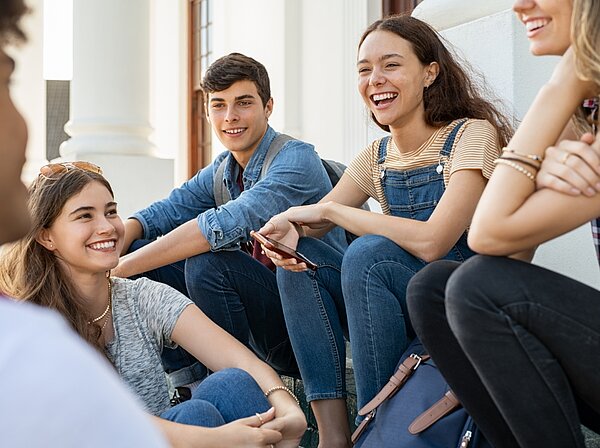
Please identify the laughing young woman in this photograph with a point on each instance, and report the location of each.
(428, 177)
(520, 344)
(64, 262)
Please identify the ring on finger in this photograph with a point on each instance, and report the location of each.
(565, 157)
(262, 422)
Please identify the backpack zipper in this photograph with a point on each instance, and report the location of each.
(466, 439)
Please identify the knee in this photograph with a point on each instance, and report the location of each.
(474, 285)
(426, 293)
(204, 263)
(225, 382)
(195, 412)
(357, 256)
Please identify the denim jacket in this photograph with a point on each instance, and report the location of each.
(295, 177)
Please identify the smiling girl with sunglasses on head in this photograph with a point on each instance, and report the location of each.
(64, 263)
(517, 343)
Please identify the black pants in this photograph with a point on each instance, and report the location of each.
(519, 345)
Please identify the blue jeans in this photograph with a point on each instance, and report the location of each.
(375, 274)
(361, 295)
(240, 295)
(225, 396)
(316, 320)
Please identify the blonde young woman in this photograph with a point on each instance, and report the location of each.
(520, 344)
(64, 263)
(428, 176)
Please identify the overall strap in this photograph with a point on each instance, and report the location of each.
(449, 143)
(382, 153)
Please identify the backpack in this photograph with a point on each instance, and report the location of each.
(333, 168)
(416, 409)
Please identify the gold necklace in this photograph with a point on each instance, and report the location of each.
(103, 315)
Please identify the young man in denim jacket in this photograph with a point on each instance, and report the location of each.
(205, 250)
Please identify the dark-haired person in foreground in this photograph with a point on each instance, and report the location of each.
(56, 391)
(205, 250)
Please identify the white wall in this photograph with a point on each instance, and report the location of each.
(168, 81)
(255, 28)
(309, 50)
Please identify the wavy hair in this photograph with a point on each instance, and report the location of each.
(453, 94)
(585, 38)
(30, 272)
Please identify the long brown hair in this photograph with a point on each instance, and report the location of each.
(28, 271)
(453, 94)
(585, 35)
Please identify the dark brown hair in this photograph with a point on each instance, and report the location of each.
(11, 12)
(453, 94)
(28, 271)
(233, 68)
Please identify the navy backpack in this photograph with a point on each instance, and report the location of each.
(417, 409)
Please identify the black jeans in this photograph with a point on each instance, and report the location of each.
(518, 344)
(240, 295)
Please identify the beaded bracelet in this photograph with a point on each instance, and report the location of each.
(273, 389)
(527, 156)
(524, 162)
(517, 167)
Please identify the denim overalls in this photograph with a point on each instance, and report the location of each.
(414, 194)
(360, 294)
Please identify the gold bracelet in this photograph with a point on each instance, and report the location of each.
(517, 167)
(535, 157)
(273, 389)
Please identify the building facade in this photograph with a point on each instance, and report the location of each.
(136, 111)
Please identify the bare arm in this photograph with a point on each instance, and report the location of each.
(428, 240)
(511, 215)
(192, 331)
(284, 226)
(183, 242)
(133, 231)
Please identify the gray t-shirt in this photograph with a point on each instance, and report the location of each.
(144, 315)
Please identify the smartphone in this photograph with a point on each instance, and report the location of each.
(282, 249)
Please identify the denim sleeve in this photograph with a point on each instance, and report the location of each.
(295, 177)
(182, 205)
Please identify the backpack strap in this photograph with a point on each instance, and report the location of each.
(220, 192)
(442, 407)
(404, 371)
(396, 381)
(274, 148)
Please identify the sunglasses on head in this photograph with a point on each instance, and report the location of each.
(54, 169)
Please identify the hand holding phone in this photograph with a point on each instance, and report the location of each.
(282, 249)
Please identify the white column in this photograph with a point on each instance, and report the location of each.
(110, 97)
(356, 18)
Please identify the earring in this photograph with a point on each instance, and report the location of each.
(51, 246)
